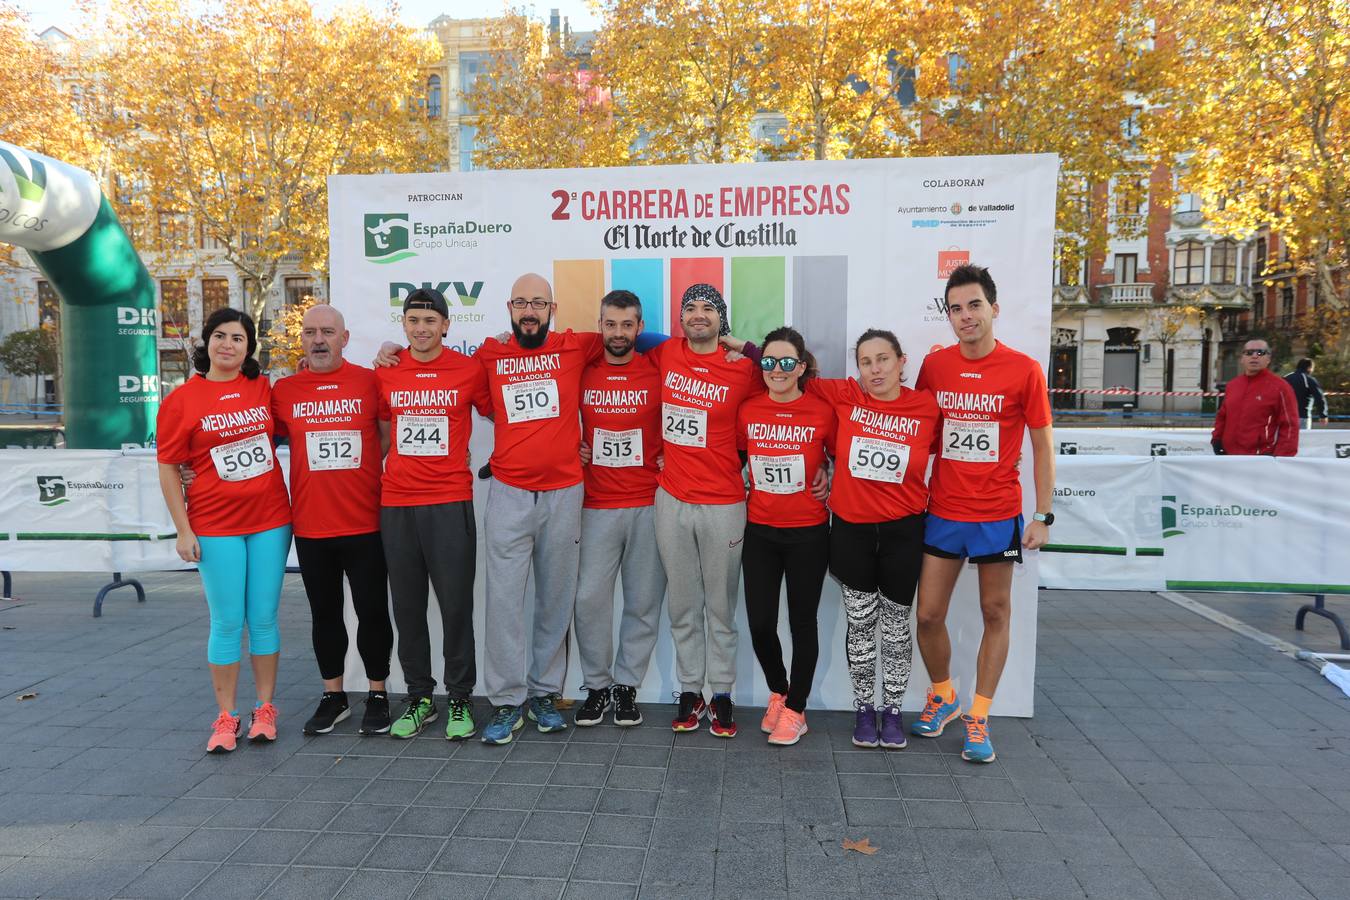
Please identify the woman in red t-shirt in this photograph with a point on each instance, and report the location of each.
(236, 521)
(785, 434)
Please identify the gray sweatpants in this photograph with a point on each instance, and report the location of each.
(521, 528)
(701, 549)
(614, 541)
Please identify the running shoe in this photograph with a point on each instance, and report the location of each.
(224, 734)
(376, 719)
(419, 713)
(506, 721)
(545, 715)
(592, 712)
(892, 729)
(692, 708)
(332, 709)
(937, 713)
(721, 723)
(459, 720)
(865, 726)
(262, 727)
(626, 712)
(771, 713)
(789, 728)
(978, 748)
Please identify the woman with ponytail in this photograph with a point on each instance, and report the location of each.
(235, 521)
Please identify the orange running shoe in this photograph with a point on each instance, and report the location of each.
(790, 728)
(770, 720)
(224, 734)
(264, 724)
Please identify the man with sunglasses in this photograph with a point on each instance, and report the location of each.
(1258, 415)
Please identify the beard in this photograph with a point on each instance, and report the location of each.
(619, 346)
(531, 341)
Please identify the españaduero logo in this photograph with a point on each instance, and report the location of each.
(54, 490)
(387, 237)
(1175, 516)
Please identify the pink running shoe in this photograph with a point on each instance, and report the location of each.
(224, 734)
(790, 728)
(264, 724)
(771, 714)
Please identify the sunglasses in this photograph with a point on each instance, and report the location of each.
(1255, 352)
(786, 363)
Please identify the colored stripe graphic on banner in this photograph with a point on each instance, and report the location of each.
(820, 310)
(646, 278)
(578, 285)
(758, 288)
(687, 271)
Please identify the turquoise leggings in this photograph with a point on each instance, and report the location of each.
(242, 578)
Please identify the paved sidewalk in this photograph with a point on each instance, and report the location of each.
(1168, 757)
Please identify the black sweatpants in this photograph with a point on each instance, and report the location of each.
(801, 555)
(436, 543)
(878, 556)
(323, 562)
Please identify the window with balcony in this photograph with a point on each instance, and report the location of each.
(434, 97)
(1286, 306)
(215, 295)
(299, 289)
(1223, 263)
(1127, 268)
(1188, 267)
(173, 308)
(1258, 307)
(1258, 260)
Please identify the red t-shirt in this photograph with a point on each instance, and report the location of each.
(430, 406)
(333, 426)
(535, 399)
(621, 420)
(223, 430)
(985, 404)
(881, 450)
(700, 394)
(786, 444)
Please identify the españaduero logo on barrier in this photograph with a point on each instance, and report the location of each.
(1170, 517)
(55, 490)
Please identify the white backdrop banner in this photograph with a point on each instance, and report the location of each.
(1319, 443)
(1233, 523)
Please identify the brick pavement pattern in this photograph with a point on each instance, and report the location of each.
(1168, 758)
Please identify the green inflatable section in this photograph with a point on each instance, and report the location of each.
(109, 324)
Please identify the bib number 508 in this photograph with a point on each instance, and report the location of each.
(244, 459)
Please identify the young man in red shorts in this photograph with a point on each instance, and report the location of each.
(987, 394)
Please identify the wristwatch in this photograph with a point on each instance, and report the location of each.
(1047, 518)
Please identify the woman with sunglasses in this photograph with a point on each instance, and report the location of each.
(785, 433)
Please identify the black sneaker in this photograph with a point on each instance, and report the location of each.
(626, 712)
(332, 709)
(723, 724)
(592, 712)
(376, 720)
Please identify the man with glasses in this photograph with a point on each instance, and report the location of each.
(1258, 415)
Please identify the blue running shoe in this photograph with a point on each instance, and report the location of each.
(978, 748)
(506, 721)
(544, 714)
(935, 716)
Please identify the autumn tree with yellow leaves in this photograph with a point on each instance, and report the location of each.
(230, 115)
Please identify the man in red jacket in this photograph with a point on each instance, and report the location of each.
(1258, 415)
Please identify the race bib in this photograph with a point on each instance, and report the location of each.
(975, 442)
(684, 425)
(423, 436)
(526, 401)
(242, 460)
(617, 449)
(779, 474)
(878, 460)
(333, 450)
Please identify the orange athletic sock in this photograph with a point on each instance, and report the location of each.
(945, 690)
(979, 707)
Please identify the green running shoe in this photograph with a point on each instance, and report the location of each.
(416, 715)
(459, 720)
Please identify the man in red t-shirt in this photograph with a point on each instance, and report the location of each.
(330, 412)
(987, 394)
(621, 440)
(700, 505)
(427, 399)
(533, 514)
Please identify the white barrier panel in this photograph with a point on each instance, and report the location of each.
(1233, 523)
(1318, 443)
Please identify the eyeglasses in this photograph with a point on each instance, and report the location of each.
(1255, 352)
(521, 303)
(786, 363)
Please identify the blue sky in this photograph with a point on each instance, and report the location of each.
(65, 14)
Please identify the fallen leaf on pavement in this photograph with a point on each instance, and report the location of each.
(862, 846)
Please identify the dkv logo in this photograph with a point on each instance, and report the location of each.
(387, 237)
(138, 388)
(468, 292)
(136, 320)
